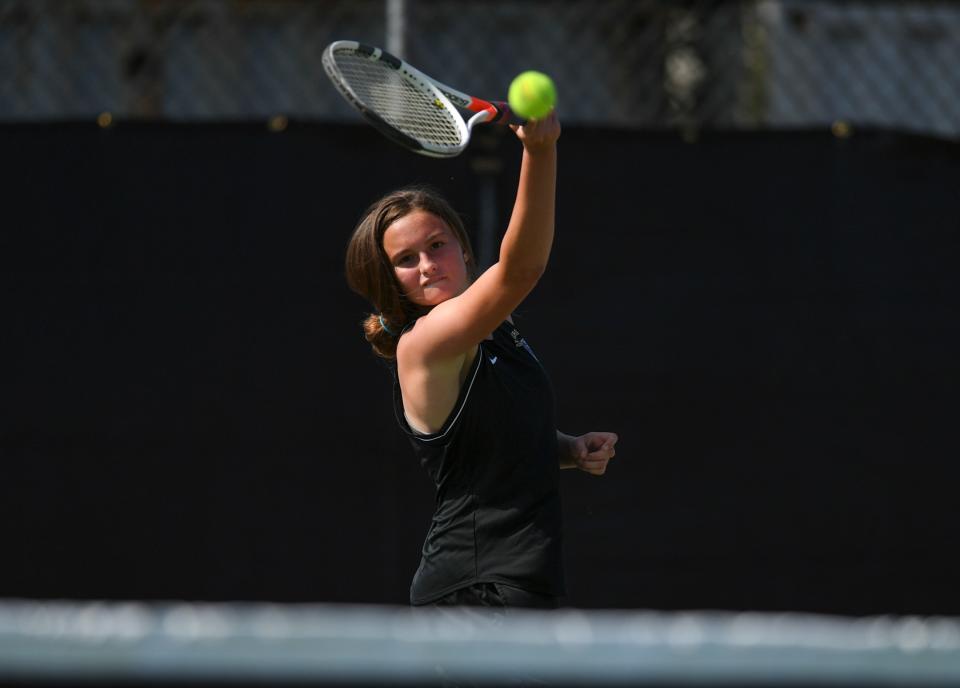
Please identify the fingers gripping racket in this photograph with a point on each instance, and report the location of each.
(403, 103)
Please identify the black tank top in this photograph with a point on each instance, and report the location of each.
(496, 469)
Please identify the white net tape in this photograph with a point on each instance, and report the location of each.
(389, 645)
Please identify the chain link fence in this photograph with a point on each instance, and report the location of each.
(654, 64)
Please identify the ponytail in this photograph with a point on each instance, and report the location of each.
(382, 335)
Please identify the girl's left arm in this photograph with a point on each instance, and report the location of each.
(589, 452)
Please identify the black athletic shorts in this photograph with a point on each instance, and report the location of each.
(496, 595)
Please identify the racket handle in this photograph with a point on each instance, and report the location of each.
(504, 114)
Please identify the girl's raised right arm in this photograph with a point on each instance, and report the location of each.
(460, 323)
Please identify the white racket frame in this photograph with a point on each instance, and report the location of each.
(445, 96)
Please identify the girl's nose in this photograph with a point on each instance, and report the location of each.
(427, 265)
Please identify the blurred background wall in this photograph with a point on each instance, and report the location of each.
(753, 283)
(639, 63)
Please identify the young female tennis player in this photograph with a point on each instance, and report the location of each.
(469, 391)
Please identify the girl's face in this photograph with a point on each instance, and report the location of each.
(426, 258)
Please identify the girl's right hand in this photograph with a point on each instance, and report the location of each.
(538, 134)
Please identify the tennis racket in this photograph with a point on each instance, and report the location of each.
(404, 104)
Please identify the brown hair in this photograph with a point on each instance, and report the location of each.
(370, 274)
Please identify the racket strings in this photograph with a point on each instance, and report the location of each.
(415, 112)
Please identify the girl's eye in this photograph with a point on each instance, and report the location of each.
(405, 260)
(436, 244)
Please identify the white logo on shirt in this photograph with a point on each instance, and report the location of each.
(493, 360)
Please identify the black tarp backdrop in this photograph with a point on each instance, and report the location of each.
(770, 321)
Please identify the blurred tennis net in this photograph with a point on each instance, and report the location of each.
(140, 643)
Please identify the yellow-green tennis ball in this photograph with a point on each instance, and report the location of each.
(532, 95)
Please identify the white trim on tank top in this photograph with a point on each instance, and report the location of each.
(426, 437)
